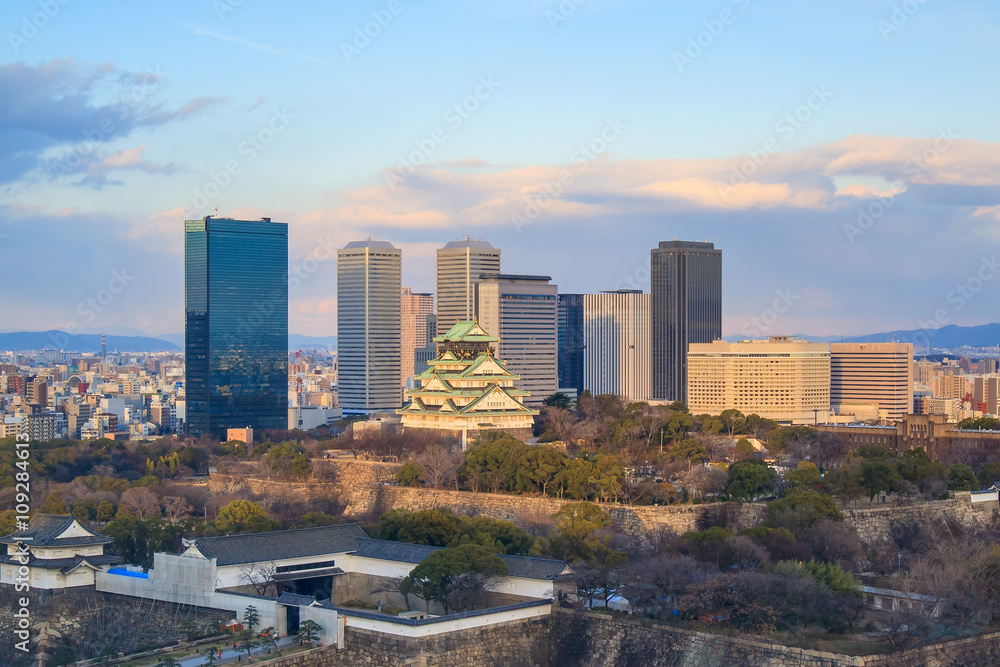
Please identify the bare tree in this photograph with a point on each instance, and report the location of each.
(439, 465)
(351, 442)
(561, 423)
(391, 585)
(905, 491)
(742, 553)
(903, 626)
(259, 576)
(632, 447)
(823, 449)
(104, 470)
(176, 507)
(324, 471)
(715, 446)
(835, 542)
(963, 575)
(468, 591)
(704, 479)
(142, 501)
(655, 585)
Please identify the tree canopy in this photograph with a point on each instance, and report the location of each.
(434, 578)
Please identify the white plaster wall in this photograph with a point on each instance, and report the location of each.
(442, 627)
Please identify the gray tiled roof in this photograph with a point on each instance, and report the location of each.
(296, 599)
(517, 566)
(535, 568)
(401, 552)
(61, 563)
(278, 545)
(44, 531)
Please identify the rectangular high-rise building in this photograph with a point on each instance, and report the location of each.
(986, 394)
(235, 324)
(522, 311)
(571, 342)
(416, 307)
(781, 378)
(424, 355)
(988, 366)
(880, 374)
(77, 414)
(617, 346)
(459, 265)
(686, 301)
(368, 327)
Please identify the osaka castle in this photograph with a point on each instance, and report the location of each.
(467, 389)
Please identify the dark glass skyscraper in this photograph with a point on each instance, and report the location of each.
(235, 324)
(686, 291)
(571, 341)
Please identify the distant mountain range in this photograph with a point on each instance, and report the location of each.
(300, 342)
(295, 341)
(21, 341)
(60, 340)
(948, 337)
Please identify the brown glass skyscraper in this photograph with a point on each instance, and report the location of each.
(686, 289)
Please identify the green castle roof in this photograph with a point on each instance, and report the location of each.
(466, 331)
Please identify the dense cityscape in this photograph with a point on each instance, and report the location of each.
(474, 334)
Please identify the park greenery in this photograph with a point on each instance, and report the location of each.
(602, 449)
(456, 577)
(794, 570)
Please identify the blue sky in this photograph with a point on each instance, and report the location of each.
(585, 133)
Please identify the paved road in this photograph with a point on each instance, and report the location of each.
(231, 656)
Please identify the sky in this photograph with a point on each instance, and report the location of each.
(844, 156)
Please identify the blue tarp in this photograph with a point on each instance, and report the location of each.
(128, 573)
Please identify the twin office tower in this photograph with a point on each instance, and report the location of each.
(383, 330)
(623, 342)
(236, 322)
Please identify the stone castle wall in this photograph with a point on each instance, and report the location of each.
(89, 620)
(365, 490)
(597, 640)
(513, 644)
(574, 639)
(935, 518)
(594, 640)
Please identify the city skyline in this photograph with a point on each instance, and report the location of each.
(822, 168)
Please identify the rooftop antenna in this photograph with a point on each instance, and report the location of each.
(216, 211)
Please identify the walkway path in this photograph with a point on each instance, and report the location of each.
(231, 656)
